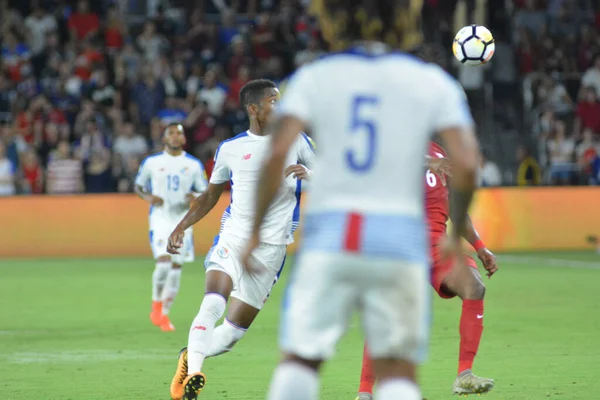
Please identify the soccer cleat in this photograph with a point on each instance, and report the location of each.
(364, 396)
(156, 315)
(192, 386)
(180, 375)
(467, 383)
(166, 325)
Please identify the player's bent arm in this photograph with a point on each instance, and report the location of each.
(143, 193)
(285, 131)
(462, 148)
(202, 205)
(472, 236)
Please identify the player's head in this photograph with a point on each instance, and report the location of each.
(394, 22)
(258, 97)
(174, 136)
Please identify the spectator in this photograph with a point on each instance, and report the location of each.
(151, 43)
(93, 141)
(530, 20)
(98, 172)
(129, 143)
(528, 171)
(32, 173)
(115, 30)
(7, 173)
(13, 143)
(237, 57)
(15, 56)
(39, 26)
(588, 112)
(489, 173)
(236, 85)
(65, 173)
(587, 153)
(555, 96)
(148, 97)
(194, 82)
(50, 143)
(592, 75)
(102, 92)
(125, 174)
(228, 29)
(7, 96)
(10, 18)
(175, 84)
(562, 151)
(212, 94)
(262, 38)
(83, 23)
(88, 59)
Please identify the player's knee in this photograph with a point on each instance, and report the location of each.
(476, 290)
(165, 258)
(213, 305)
(312, 364)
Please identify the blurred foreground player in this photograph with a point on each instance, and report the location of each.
(464, 282)
(364, 244)
(239, 160)
(169, 181)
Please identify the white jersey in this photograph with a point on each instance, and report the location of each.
(171, 178)
(239, 160)
(372, 115)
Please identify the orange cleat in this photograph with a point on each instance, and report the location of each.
(166, 325)
(192, 386)
(156, 316)
(180, 375)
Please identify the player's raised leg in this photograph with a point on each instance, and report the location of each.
(466, 283)
(239, 318)
(169, 293)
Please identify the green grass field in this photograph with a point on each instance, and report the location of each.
(79, 329)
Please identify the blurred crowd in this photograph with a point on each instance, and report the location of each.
(85, 93)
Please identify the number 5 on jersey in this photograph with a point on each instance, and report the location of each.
(360, 158)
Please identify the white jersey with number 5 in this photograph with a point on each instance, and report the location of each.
(365, 242)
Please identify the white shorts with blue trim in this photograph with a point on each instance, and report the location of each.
(159, 237)
(326, 289)
(251, 287)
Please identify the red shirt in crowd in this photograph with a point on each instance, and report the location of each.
(589, 114)
(83, 24)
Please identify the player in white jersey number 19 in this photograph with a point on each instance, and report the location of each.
(238, 160)
(169, 181)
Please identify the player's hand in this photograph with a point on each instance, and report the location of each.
(489, 261)
(175, 241)
(155, 200)
(298, 171)
(190, 197)
(441, 167)
(253, 243)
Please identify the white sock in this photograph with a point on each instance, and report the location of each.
(159, 276)
(293, 381)
(170, 289)
(201, 333)
(225, 337)
(394, 389)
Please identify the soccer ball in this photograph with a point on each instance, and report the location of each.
(473, 45)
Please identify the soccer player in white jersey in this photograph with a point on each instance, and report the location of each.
(169, 181)
(364, 246)
(239, 160)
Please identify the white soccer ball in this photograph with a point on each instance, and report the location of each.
(473, 45)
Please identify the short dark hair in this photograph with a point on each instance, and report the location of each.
(253, 91)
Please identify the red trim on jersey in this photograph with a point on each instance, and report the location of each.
(352, 239)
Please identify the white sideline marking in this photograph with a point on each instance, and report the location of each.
(552, 262)
(84, 356)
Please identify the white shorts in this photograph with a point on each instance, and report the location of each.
(325, 289)
(159, 238)
(253, 288)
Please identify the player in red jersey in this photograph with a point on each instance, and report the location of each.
(450, 281)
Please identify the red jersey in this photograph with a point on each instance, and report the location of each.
(436, 196)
